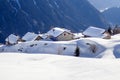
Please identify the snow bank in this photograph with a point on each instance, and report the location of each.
(89, 47)
(48, 47)
(59, 47)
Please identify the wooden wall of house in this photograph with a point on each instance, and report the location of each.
(65, 36)
(108, 35)
(38, 38)
(9, 44)
(20, 40)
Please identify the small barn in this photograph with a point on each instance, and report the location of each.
(60, 34)
(12, 39)
(46, 37)
(38, 37)
(30, 36)
(96, 32)
(93, 32)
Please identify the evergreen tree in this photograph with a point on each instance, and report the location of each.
(110, 30)
(77, 51)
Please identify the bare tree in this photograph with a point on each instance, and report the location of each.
(93, 47)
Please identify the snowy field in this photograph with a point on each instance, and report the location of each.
(17, 66)
(46, 60)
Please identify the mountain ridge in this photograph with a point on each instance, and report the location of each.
(112, 15)
(21, 16)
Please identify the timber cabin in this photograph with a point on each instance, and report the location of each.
(96, 32)
(30, 36)
(12, 39)
(60, 34)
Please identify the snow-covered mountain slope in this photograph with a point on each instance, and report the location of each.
(103, 4)
(21, 16)
(15, 66)
(112, 15)
(89, 47)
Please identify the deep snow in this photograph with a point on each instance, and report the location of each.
(39, 60)
(17, 66)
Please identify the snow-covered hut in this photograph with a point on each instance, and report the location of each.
(12, 39)
(30, 36)
(38, 37)
(93, 32)
(60, 34)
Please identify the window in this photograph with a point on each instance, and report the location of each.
(64, 48)
(64, 34)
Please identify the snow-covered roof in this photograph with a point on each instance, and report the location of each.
(37, 36)
(94, 31)
(12, 38)
(44, 36)
(78, 35)
(57, 31)
(29, 36)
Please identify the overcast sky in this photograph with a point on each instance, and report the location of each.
(102, 4)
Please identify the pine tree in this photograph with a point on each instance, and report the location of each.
(77, 51)
(110, 30)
